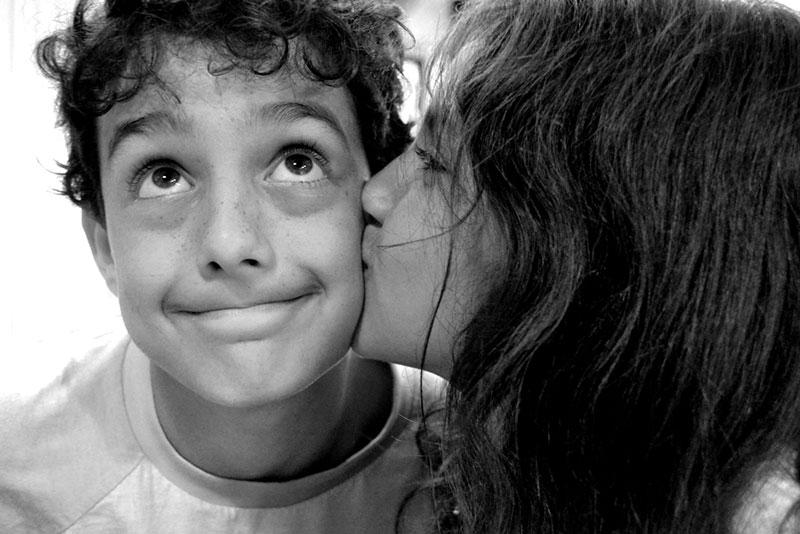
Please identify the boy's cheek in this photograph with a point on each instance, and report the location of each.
(153, 216)
(317, 199)
(145, 253)
(331, 248)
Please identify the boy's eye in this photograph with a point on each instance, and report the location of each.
(162, 180)
(298, 166)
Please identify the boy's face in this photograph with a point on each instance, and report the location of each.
(233, 227)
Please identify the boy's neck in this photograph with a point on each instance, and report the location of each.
(310, 432)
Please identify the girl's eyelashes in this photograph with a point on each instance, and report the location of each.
(301, 165)
(429, 161)
(159, 178)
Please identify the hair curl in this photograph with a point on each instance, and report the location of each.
(108, 55)
(638, 359)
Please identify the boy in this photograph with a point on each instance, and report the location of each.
(218, 149)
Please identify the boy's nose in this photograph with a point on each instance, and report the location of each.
(234, 237)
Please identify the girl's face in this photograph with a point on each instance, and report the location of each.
(425, 272)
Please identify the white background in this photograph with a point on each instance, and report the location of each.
(48, 282)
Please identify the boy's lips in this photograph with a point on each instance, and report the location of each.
(232, 306)
(242, 320)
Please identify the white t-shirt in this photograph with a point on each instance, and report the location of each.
(85, 453)
(767, 505)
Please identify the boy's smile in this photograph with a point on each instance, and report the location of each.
(232, 227)
(244, 320)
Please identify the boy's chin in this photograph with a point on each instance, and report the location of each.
(241, 377)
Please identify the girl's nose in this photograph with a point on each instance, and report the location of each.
(380, 193)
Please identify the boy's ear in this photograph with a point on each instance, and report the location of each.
(97, 236)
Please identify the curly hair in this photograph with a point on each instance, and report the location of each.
(352, 43)
(637, 361)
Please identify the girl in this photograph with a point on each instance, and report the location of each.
(595, 238)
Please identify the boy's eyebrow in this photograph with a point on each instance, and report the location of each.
(282, 112)
(287, 112)
(140, 125)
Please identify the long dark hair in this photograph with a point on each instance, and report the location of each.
(638, 360)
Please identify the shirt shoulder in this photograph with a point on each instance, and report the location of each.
(418, 392)
(64, 436)
(769, 505)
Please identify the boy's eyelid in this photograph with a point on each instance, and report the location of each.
(313, 122)
(311, 149)
(307, 149)
(326, 147)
